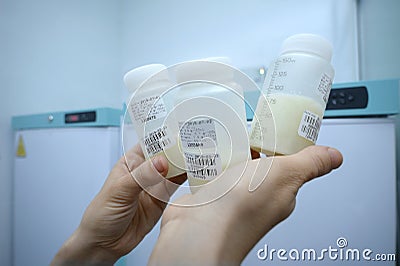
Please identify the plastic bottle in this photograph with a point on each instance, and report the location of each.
(148, 108)
(294, 96)
(211, 114)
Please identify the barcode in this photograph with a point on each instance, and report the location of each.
(155, 136)
(156, 141)
(310, 131)
(201, 160)
(205, 166)
(154, 148)
(203, 173)
(309, 126)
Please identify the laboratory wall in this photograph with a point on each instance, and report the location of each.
(379, 39)
(249, 32)
(54, 55)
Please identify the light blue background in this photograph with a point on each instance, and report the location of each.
(71, 54)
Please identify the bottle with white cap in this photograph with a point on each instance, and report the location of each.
(294, 96)
(210, 110)
(148, 108)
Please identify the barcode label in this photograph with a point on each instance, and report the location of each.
(324, 87)
(204, 166)
(198, 133)
(157, 140)
(148, 109)
(309, 126)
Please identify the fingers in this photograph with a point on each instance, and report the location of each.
(151, 172)
(150, 176)
(133, 157)
(134, 173)
(124, 190)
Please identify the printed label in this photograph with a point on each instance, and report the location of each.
(149, 109)
(204, 166)
(157, 140)
(324, 87)
(309, 126)
(198, 133)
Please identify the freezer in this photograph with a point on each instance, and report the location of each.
(61, 161)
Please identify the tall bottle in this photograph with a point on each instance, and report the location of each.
(148, 108)
(294, 96)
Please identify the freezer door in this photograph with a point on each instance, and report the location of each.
(350, 211)
(62, 171)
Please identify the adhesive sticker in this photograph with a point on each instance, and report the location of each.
(21, 152)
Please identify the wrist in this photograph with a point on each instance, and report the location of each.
(196, 237)
(78, 250)
(184, 243)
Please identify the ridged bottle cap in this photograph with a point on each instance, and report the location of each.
(309, 43)
(205, 69)
(137, 76)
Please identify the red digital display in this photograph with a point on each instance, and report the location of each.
(83, 117)
(73, 118)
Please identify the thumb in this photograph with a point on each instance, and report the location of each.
(313, 161)
(298, 168)
(289, 173)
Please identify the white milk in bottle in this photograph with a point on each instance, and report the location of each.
(294, 96)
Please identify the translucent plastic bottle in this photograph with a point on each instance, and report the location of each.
(294, 96)
(211, 114)
(148, 108)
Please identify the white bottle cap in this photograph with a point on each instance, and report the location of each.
(213, 72)
(218, 59)
(309, 43)
(137, 76)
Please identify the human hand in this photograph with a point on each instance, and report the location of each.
(223, 231)
(122, 213)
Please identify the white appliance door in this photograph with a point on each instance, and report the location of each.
(349, 216)
(61, 173)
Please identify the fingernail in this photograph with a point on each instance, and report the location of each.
(158, 164)
(336, 157)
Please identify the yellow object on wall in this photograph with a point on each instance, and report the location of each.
(21, 152)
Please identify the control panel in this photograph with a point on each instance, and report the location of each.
(80, 117)
(348, 98)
